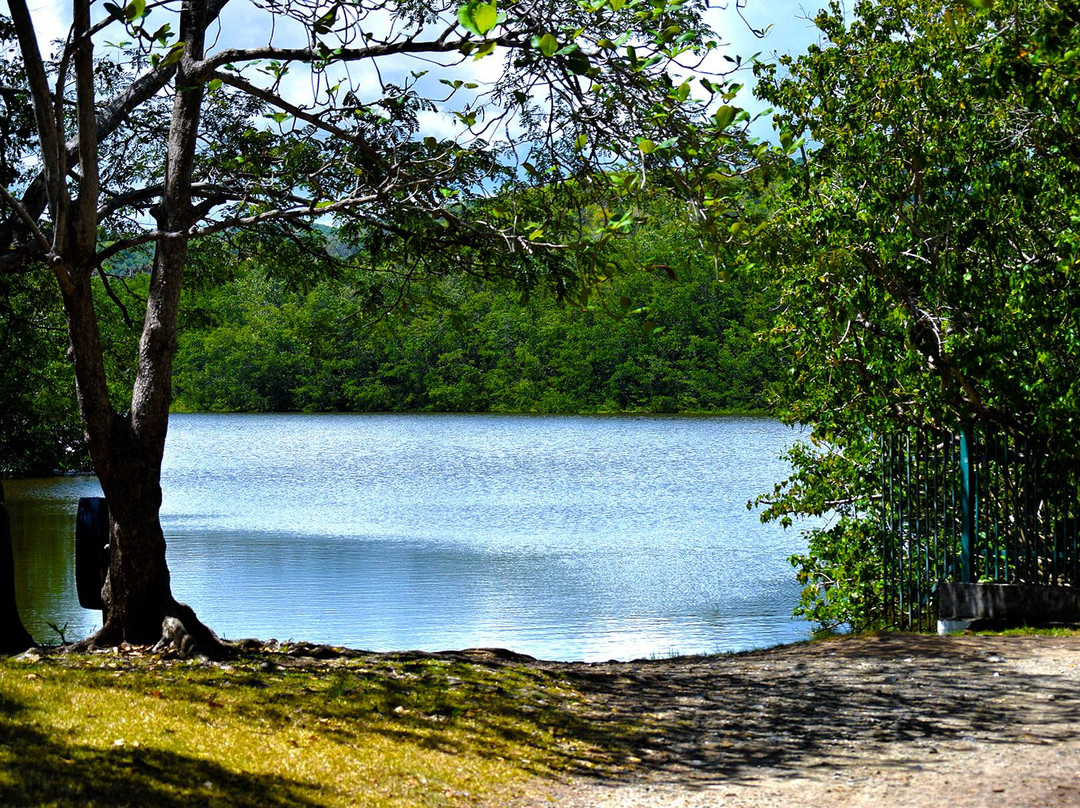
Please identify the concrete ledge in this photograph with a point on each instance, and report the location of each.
(953, 626)
(1011, 603)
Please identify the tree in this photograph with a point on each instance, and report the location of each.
(924, 253)
(39, 428)
(176, 136)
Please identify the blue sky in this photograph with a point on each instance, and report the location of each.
(789, 32)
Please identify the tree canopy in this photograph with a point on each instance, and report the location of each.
(662, 335)
(924, 248)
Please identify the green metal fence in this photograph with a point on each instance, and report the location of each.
(972, 508)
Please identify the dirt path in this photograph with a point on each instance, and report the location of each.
(896, 720)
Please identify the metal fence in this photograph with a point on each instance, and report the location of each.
(971, 508)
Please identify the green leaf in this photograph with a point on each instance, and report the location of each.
(213, 85)
(548, 45)
(478, 18)
(646, 146)
(326, 21)
(173, 56)
(464, 18)
(135, 10)
(161, 35)
(481, 52)
(579, 63)
(724, 116)
(485, 16)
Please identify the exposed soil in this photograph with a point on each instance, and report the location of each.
(893, 720)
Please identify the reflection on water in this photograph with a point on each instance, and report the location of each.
(43, 536)
(561, 537)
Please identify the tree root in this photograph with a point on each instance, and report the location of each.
(183, 636)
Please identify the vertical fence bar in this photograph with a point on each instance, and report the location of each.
(933, 475)
(1008, 552)
(886, 507)
(967, 510)
(954, 463)
(929, 567)
(994, 491)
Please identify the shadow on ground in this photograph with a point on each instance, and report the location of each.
(41, 770)
(895, 699)
(696, 721)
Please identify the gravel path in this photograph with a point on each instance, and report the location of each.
(893, 720)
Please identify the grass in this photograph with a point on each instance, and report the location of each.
(1031, 631)
(123, 729)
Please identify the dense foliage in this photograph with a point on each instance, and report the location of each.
(924, 251)
(39, 421)
(662, 337)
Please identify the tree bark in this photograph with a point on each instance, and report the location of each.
(127, 450)
(13, 635)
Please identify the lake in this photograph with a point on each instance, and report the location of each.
(563, 537)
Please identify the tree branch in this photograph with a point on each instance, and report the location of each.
(86, 114)
(48, 133)
(27, 219)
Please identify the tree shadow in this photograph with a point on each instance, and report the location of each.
(702, 720)
(40, 769)
(893, 699)
(692, 721)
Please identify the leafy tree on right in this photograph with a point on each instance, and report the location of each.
(924, 244)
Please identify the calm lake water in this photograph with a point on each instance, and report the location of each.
(562, 537)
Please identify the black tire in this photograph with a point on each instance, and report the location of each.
(91, 550)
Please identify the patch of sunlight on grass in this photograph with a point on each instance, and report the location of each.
(112, 730)
(1030, 631)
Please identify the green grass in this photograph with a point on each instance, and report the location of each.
(124, 729)
(1031, 631)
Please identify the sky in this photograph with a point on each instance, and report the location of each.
(789, 32)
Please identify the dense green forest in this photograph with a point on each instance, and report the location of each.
(669, 338)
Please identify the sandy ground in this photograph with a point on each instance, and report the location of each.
(893, 720)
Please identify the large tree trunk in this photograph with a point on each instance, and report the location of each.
(127, 452)
(127, 449)
(13, 635)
